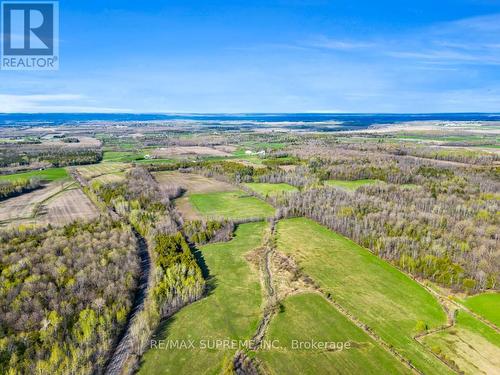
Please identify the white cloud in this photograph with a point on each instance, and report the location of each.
(473, 40)
(488, 23)
(336, 44)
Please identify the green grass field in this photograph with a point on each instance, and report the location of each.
(231, 311)
(310, 317)
(350, 185)
(270, 189)
(472, 345)
(121, 156)
(252, 159)
(487, 305)
(379, 295)
(49, 174)
(230, 205)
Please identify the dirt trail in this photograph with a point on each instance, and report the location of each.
(125, 345)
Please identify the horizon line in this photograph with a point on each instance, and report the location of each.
(248, 113)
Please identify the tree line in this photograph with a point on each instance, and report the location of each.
(10, 189)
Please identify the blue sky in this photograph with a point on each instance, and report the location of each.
(268, 56)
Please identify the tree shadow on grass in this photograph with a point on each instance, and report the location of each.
(200, 259)
(205, 272)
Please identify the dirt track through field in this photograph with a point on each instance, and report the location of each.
(244, 365)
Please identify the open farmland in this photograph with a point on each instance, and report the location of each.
(165, 152)
(49, 174)
(309, 317)
(110, 178)
(266, 189)
(155, 161)
(26, 206)
(56, 204)
(192, 183)
(376, 293)
(121, 156)
(470, 345)
(486, 305)
(230, 205)
(66, 207)
(91, 171)
(83, 142)
(230, 311)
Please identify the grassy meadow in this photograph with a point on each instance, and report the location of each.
(379, 295)
(49, 174)
(308, 317)
(230, 205)
(486, 305)
(230, 311)
(122, 156)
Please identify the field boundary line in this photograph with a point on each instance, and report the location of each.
(270, 293)
(457, 305)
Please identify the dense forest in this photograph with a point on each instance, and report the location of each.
(64, 296)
